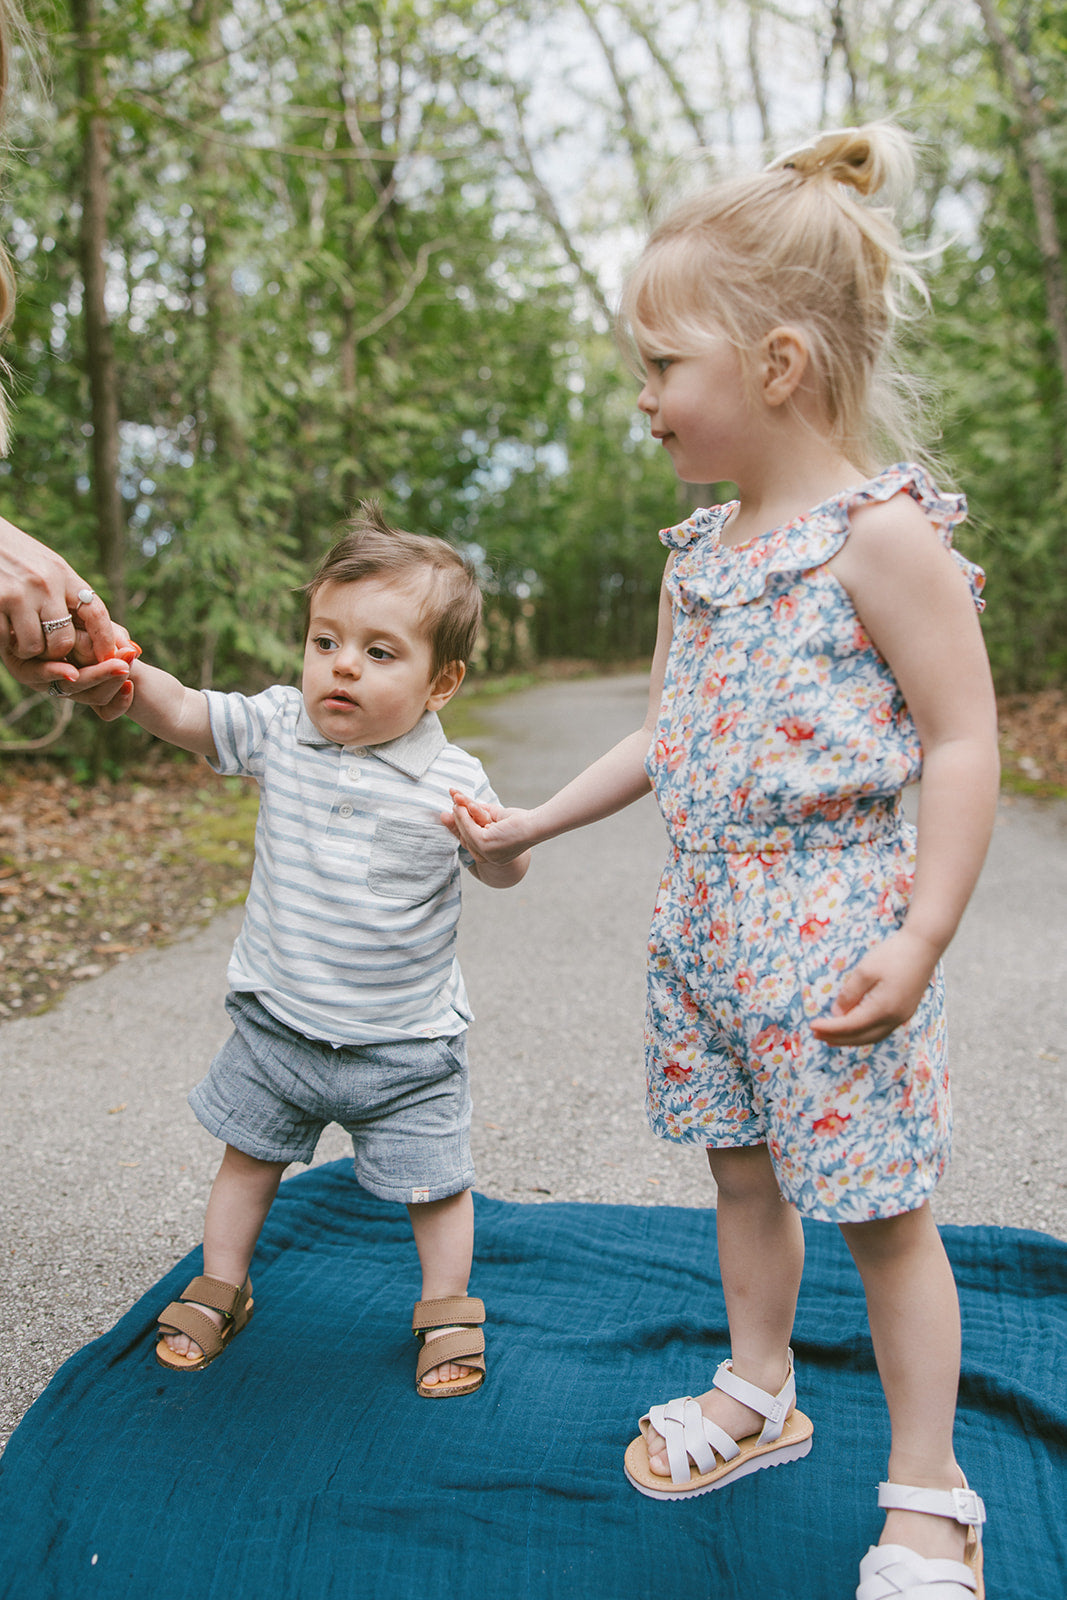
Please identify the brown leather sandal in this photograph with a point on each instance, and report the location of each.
(180, 1317)
(466, 1346)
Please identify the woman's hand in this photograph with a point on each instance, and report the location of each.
(55, 633)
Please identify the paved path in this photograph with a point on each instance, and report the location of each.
(104, 1170)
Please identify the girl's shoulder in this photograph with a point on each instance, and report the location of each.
(740, 573)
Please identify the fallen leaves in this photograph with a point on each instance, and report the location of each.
(1034, 741)
(88, 875)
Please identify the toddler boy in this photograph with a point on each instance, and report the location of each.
(346, 997)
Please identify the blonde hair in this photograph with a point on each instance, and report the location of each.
(793, 245)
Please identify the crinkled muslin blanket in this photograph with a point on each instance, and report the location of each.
(301, 1465)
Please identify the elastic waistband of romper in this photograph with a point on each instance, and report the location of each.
(859, 822)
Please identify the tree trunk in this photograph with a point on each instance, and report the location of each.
(99, 346)
(1016, 77)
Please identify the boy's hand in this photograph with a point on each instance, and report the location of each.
(494, 834)
(880, 993)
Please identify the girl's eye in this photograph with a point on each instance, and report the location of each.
(661, 363)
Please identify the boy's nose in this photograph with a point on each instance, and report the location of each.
(346, 663)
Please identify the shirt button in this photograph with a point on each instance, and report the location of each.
(353, 774)
(346, 810)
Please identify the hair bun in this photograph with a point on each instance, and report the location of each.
(866, 159)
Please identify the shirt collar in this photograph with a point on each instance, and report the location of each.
(412, 754)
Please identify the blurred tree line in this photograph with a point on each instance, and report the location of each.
(275, 256)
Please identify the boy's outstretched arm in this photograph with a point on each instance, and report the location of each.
(615, 780)
(165, 707)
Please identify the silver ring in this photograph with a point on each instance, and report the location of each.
(84, 597)
(56, 688)
(56, 622)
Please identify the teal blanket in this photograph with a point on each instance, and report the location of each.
(302, 1466)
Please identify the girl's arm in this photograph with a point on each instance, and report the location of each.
(615, 780)
(168, 709)
(916, 606)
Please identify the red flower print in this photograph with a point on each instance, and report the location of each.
(676, 1072)
(745, 980)
(796, 731)
(718, 726)
(814, 928)
(670, 755)
(785, 608)
(833, 1122)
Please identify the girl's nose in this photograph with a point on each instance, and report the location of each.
(646, 401)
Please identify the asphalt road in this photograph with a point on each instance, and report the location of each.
(104, 1170)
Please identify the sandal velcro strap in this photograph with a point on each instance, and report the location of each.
(775, 1407)
(960, 1505)
(457, 1308)
(466, 1348)
(196, 1324)
(213, 1292)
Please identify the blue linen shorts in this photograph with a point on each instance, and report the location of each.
(406, 1103)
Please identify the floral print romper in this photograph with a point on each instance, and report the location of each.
(782, 747)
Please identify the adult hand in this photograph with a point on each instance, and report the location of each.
(48, 612)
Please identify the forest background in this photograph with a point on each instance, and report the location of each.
(275, 256)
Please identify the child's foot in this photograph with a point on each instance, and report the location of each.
(738, 1420)
(936, 1538)
(197, 1327)
(454, 1320)
(181, 1343)
(448, 1371)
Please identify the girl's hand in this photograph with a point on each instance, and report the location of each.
(880, 993)
(494, 834)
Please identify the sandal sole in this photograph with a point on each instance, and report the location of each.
(638, 1472)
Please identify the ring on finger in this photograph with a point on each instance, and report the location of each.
(56, 688)
(56, 622)
(84, 597)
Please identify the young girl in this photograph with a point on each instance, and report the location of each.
(818, 646)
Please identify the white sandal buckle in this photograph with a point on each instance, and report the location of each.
(970, 1508)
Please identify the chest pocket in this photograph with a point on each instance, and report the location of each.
(409, 860)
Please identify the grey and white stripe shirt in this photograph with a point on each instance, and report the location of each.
(350, 925)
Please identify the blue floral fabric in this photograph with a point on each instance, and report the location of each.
(782, 746)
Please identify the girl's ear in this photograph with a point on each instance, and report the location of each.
(784, 355)
(445, 685)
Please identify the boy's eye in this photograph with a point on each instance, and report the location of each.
(325, 644)
(378, 652)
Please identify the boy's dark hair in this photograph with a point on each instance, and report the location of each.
(452, 609)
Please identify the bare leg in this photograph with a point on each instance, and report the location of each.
(915, 1327)
(761, 1258)
(444, 1238)
(240, 1198)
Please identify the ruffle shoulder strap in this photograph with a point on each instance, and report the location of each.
(732, 575)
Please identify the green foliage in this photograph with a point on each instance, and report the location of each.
(351, 252)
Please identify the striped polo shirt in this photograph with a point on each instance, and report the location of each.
(350, 924)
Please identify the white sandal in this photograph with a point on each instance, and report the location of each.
(690, 1437)
(893, 1572)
